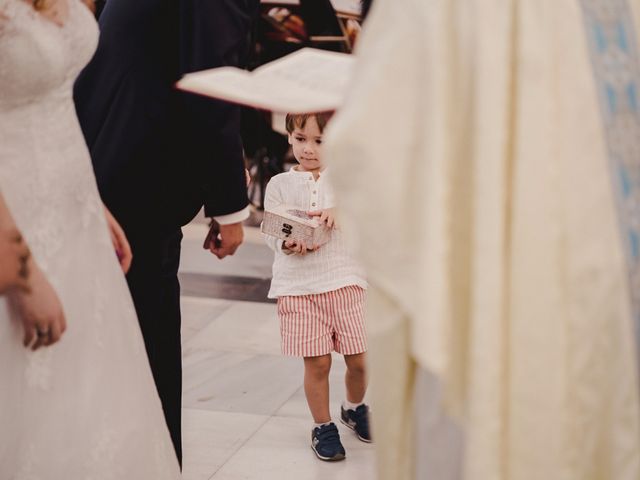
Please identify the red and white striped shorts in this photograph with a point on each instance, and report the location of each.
(317, 324)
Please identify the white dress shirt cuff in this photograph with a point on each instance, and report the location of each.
(233, 217)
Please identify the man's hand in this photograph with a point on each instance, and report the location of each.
(228, 240)
(14, 258)
(40, 311)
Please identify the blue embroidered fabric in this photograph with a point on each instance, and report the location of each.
(616, 65)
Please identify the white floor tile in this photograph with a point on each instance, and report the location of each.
(245, 327)
(297, 406)
(281, 450)
(198, 313)
(237, 382)
(211, 438)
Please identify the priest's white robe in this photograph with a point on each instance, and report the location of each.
(495, 150)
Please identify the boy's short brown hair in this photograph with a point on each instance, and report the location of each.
(299, 120)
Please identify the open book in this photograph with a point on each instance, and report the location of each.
(347, 7)
(306, 81)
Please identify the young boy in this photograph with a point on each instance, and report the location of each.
(320, 292)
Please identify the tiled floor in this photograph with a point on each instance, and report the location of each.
(245, 415)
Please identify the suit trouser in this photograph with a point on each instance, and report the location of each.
(153, 281)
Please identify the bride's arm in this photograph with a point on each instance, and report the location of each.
(14, 258)
(34, 298)
(14, 254)
(91, 5)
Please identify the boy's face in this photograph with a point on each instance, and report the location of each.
(306, 144)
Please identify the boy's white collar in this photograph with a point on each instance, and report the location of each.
(298, 172)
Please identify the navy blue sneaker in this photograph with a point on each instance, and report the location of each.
(325, 441)
(358, 421)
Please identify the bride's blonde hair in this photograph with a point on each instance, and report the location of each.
(39, 4)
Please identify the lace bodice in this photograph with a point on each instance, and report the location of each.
(39, 58)
(43, 157)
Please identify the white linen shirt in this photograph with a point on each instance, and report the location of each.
(330, 267)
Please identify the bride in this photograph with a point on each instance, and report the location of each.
(85, 407)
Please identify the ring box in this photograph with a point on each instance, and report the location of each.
(291, 223)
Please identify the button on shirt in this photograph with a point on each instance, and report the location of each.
(330, 267)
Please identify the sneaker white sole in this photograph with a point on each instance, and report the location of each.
(336, 458)
(346, 424)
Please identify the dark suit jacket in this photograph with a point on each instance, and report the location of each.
(160, 154)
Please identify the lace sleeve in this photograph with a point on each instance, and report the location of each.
(10, 11)
(5, 16)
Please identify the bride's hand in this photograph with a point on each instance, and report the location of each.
(40, 311)
(14, 255)
(120, 242)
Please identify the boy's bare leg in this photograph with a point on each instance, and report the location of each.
(356, 377)
(316, 386)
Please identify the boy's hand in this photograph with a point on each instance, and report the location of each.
(328, 216)
(298, 248)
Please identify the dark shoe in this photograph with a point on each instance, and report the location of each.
(358, 421)
(325, 441)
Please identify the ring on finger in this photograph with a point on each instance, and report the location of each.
(24, 266)
(41, 332)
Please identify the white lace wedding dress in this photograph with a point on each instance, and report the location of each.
(85, 408)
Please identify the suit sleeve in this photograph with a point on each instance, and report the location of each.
(214, 33)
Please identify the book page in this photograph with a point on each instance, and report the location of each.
(308, 80)
(349, 7)
(280, 2)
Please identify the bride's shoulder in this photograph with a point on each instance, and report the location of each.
(5, 14)
(8, 11)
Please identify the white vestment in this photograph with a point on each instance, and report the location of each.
(500, 250)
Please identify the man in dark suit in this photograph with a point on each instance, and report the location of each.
(160, 155)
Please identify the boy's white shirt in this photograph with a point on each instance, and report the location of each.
(330, 267)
